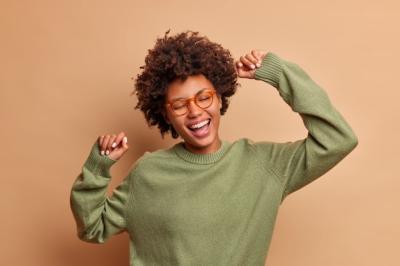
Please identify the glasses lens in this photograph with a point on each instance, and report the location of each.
(204, 99)
(179, 107)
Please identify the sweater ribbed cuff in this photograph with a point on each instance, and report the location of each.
(97, 163)
(270, 70)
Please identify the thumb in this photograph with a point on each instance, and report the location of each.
(119, 151)
(125, 143)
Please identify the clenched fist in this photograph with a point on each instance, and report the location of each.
(246, 65)
(113, 146)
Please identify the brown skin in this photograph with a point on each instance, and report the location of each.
(245, 68)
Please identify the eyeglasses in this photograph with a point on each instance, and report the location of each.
(202, 99)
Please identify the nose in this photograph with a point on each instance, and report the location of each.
(193, 110)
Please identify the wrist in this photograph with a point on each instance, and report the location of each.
(97, 163)
(270, 70)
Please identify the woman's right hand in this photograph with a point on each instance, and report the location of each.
(113, 146)
(247, 65)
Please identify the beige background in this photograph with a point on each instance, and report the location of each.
(65, 78)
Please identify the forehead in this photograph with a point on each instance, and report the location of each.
(184, 89)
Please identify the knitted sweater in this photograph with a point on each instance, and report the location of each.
(181, 208)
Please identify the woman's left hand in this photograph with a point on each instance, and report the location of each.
(247, 65)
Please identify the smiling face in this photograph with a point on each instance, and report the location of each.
(198, 127)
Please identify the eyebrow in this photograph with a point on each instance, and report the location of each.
(182, 98)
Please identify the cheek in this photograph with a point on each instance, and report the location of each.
(177, 123)
(217, 109)
(216, 117)
(171, 119)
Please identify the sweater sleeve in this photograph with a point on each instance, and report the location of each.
(97, 216)
(329, 138)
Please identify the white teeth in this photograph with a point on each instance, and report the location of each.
(199, 125)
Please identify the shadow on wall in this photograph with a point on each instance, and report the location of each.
(78, 253)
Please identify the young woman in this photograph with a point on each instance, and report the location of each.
(206, 201)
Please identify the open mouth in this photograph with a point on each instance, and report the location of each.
(200, 125)
(200, 129)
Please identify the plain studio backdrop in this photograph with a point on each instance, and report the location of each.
(65, 79)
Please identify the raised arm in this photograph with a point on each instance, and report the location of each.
(97, 216)
(329, 137)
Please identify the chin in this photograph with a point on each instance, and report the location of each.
(201, 145)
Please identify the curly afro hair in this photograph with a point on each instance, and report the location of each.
(178, 57)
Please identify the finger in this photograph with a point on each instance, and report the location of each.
(110, 143)
(257, 55)
(104, 144)
(125, 142)
(247, 62)
(119, 138)
(244, 73)
(252, 58)
(241, 70)
(100, 142)
(117, 153)
(239, 64)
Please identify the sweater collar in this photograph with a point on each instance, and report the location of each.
(196, 158)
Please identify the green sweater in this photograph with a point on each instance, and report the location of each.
(181, 208)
